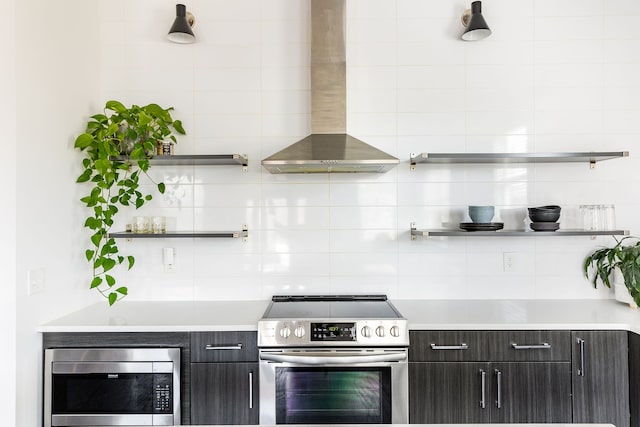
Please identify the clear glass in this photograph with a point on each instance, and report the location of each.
(140, 224)
(589, 215)
(158, 225)
(608, 217)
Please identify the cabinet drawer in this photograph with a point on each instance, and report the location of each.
(536, 346)
(447, 346)
(224, 346)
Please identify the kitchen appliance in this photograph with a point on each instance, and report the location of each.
(328, 359)
(329, 148)
(111, 386)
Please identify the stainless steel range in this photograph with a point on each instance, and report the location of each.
(333, 359)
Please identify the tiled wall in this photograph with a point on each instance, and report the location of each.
(556, 75)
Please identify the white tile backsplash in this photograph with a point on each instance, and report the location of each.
(555, 76)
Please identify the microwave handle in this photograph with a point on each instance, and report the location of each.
(333, 360)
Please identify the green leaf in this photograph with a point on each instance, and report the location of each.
(108, 264)
(122, 290)
(96, 282)
(116, 106)
(96, 238)
(177, 125)
(86, 176)
(110, 280)
(89, 254)
(83, 141)
(144, 119)
(113, 297)
(131, 261)
(161, 187)
(139, 203)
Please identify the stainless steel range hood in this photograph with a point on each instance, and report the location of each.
(329, 148)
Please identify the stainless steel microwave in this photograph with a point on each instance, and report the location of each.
(111, 386)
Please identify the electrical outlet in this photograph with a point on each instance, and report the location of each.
(508, 262)
(35, 281)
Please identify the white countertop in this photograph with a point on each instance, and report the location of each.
(161, 316)
(156, 316)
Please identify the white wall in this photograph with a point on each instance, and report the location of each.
(8, 211)
(58, 76)
(555, 76)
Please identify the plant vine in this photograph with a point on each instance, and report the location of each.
(118, 144)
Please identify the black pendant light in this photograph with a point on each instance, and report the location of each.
(180, 31)
(477, 28)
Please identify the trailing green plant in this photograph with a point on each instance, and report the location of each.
(602, 262)
(117, 145)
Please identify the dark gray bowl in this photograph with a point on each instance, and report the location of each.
(542, 216)
(548, 208)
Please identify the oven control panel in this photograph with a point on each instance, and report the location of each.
(285, 333)
(333, 331)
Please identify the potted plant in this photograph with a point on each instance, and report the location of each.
(609, 263)
(117, 145)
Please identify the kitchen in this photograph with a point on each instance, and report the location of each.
(553, 77)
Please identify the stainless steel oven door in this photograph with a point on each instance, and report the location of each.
(334, 386)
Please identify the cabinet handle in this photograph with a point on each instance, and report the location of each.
(581, 346)
(499, 389)
(483, 383)
(224, 347)
(250, 390)
(543, 346)
(462, 346)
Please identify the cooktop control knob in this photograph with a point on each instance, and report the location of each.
(394, 331)
(285, 332)
(380, 331)
(366, 331)
(299, 331)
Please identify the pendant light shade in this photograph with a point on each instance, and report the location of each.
(180, 31)
(477, 28)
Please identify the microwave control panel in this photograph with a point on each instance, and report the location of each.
(162, 396)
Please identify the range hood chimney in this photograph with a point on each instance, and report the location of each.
(329, 148)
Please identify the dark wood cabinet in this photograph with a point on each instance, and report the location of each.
(224, 393)
(490, 377)
(495, 392)
(446, 393)
(601, 377)
(224, 378)
(531, 392)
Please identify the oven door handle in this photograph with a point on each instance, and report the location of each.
(337, 359)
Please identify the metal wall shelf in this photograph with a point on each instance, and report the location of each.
(514, 233)
(202, 159)
(497, 158)
(244, 234)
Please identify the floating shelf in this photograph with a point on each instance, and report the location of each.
(496, 158)
(514, 233)
(201, 159)
(244, 234)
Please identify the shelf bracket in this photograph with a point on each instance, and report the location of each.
(245, 233)
(592, 164)
(245, 165)
(412, 163)
(413, 230)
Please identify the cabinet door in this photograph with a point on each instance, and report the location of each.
(448, 393)
(600, 377)
(224, 393)
(531, 392)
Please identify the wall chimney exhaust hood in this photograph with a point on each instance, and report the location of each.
(329, 148)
